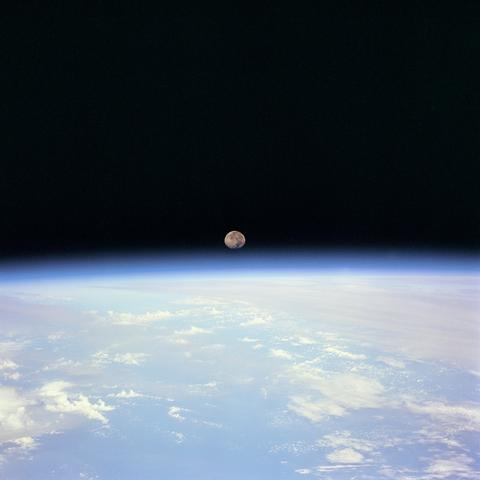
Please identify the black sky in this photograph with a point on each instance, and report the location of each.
(339, 124)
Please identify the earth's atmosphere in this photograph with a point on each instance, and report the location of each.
(276, 368)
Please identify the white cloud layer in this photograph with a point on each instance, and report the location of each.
(462, 417)
(257, 321)
(126, 394)
(127, 358)
(193, 330)
(14, 417)
(279, 353)
(125, 318)
(345, 439)
(27, 416)
(303, 340)
(332, 394)
(345, 455)
(8, 365)
(392, 362)
(177, 413)
(58, 399)
(451, 466)
(344, 354)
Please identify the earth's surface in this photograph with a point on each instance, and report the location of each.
(262, 368)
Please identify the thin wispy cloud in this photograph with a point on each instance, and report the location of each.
(345, 455)
(127, 358)
(462, 417)
(193, 330)
(279, 353)
(179, 437)
(392, 362)
(126, 394)
(127, 318)
(324, 393)
(257, 321)
(454, 465)
(303, 340)
(344, 354)
(303, 471)
(346, 440)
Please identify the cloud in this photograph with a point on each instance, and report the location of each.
(345, 439)
(279, 353)
(14, 417)
(176, 340)
(392, 362)
(126, 394)
(302, 340)
(214, 347)
(462, 417)
(25, 443)
(24, 416)
(127, 358)
(205, 389)
(212, 311)
(248, 340)
(313, 409)
(130, 358)
(57, 399)
(437, 434)
(178, 436)
(209, 424)
(55, 336)
(137, 318)
(63, 364)
(18, 447)
(12, 346)
(199, 300)
(452, 466)
(101, 357)
(345, 455)
(8, 365)
(326, 394)
(258, 320)
(176, 413)
(344, 354)
(332, 468)
(193, 331)
(294, 448)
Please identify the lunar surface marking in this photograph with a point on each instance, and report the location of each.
(234, 240)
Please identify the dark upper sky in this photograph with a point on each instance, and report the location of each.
(338, 124)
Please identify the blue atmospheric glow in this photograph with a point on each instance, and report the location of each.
(238, 262)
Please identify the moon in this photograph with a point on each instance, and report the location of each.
(234, 240)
